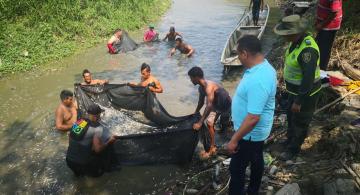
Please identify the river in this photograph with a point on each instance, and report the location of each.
(32, 158)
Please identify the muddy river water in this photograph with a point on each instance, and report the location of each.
(32, 157)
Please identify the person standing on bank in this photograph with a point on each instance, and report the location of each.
(252, 111)
(218, 104)
(328, 22)
(302, 79)
(89, 151)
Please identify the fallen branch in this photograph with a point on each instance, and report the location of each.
(350, 71)
(337, 100)
(352, 173)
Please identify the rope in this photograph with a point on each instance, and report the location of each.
(196, 175)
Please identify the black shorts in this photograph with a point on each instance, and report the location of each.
(93, 169)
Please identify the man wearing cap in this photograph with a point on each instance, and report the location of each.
(328, 22)
(151, 35)
(302, 79)
(89, 142)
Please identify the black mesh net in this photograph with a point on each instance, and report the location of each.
(126, 44)
(148, 133)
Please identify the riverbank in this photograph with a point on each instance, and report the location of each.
(35, 33)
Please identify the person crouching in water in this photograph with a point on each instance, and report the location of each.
(172, 34)
(218, 103)
(90, 144)
(114, 40)
(148, 80)
(182, 47)
(151, 35)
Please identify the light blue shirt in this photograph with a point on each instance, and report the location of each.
(256, 95)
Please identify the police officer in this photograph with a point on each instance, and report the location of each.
(89, 151)
(302, 79)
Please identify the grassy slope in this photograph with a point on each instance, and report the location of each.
(34, 32)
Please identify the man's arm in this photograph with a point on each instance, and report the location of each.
(158, 88)
(110, 45)
(191, 50)
(101, 82)
(172, 51)
(262, 5)
(250, 4)
(167, 35)
(246, 127)
(308, 62)
(209, 105)
(178, 34)
(325, 22)
(99, 146)
(200, 103)
(59, 119)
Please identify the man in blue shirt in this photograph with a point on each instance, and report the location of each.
(252, 113)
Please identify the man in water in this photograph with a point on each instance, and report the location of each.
(115, 39)
(66, 112)
(89, 145)
(218, 103)
(89, 81)
(148, 80)
(172, 34)
(256, 4)
(151, 35)
(182, 47)
(252, 114)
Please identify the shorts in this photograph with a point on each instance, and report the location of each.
(93, 169)
(256, 11)
(211, 119)
(213, 116)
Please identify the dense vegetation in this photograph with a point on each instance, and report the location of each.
(34, 32)
(351, 16)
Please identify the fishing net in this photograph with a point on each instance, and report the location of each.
(146, 132)
(126, 44)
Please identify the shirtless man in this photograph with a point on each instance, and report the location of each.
(89, 81)
(182, 47)
(147, 80)
(172, 34)
(115, 39)
(66, 112)
(218, 103)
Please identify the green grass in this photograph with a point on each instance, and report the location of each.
(36, 32)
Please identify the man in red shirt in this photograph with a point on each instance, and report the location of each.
(328, 22)
(151, 35)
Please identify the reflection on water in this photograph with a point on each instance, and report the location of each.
(32, 152)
